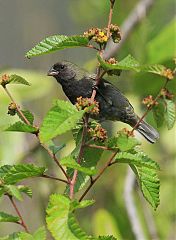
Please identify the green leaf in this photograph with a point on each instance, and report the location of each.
(25, 189)
(40, 234)
(130, 63)
(5, 217)
(146, 171)
(55, 149)
(158, 113)
(18, 80)
(106, 238)
(60, 119)
(123, 142)
(156, 48)
(22, 171)
(149, 184)
(70, 162)
(61, 221)
(13, 191)
(170, 114)
(138, 159)
(55, 43)
(13, 236)
(83, 204)
(21, 127)
(29, 116)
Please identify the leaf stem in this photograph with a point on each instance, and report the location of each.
(98, 176)
(22, 223)
(112, 2)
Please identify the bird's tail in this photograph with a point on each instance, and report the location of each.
(148, 132)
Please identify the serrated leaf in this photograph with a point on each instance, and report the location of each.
(21, 127)
(55, 43)
(13, 191)
(123, 142)
(138, 159)
(83, 204)
(25, 189)
(22, 171)
(40, 234)
(149, 184)
(55, 149)
(170, 114)
(61, 221)
(106, 238)
(158, 113)
(29, 116)
(130, 63)
(60, 119)
(5, 217)
(4, 170)
(71, 163)
(18, 80)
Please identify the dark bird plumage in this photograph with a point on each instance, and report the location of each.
(113, 104)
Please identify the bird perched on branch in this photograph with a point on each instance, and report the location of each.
(113, 104)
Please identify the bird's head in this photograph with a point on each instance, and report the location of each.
(63, 71)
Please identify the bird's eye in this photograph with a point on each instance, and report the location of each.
(62, 67)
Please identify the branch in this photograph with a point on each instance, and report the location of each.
(54, 178)
(22, 223)
(137, 14)
(93, 181)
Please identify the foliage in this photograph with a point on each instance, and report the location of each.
(81, 165)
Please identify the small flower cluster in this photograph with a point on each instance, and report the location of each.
(127, 132)
(149, 101)
(168, 73)
(12, 109)
(100, 35)
(112, 61)
(88, 105)
(98, 133)
(115, 33)
(113, 72)
(5, 79)
(96, 34)
(165, 93)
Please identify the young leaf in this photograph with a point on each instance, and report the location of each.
(71, 163)
(13, 236)
(40, 234)
(25, 189)
(55, 43)
(158, 113)
(170, 114)
(61, 221)
(106, 238)
(29, 116)
(5, 217)
(21, 127)
(60, 119)
(55, 149)
(18, 80)
(155, 68)
(123, 142)
(22, 171)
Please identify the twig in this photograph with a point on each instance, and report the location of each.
(131, 207)
(150, 107)
(137, 14)
(112, 2)
(22, 223)
(54, 178)
(99, 147)
(98, 176)
(17, 107)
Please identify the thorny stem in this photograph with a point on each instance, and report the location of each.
(22, 223)
(98, 176)
(80, 156)
(150, 107)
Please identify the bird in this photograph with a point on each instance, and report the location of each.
(77, 82)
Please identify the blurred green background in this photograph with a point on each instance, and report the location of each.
(25, 23)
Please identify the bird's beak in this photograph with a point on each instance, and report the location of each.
(52, 72)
